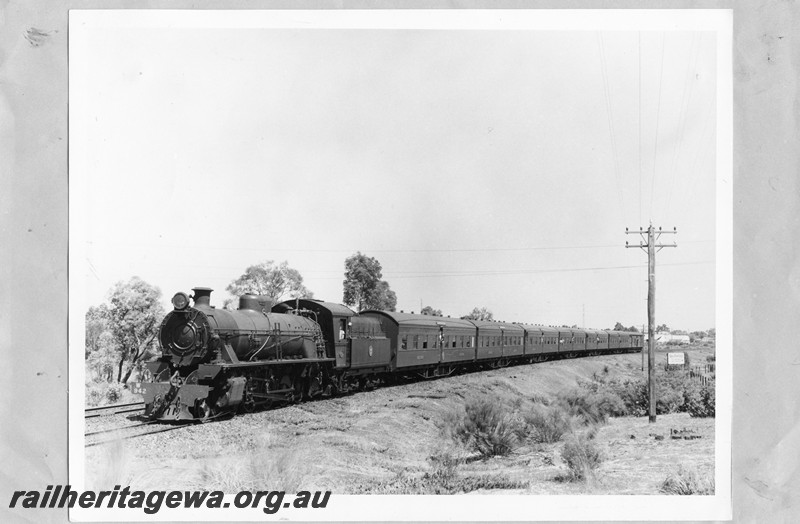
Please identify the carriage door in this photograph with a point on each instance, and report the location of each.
(441, 341)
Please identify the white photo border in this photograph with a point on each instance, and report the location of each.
(405, 508)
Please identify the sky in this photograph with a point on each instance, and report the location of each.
(482, 168)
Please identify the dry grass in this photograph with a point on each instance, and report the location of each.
(265, 467)
(687, 480)
(582, 456)
(442, 478)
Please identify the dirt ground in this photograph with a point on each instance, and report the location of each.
(350, 444)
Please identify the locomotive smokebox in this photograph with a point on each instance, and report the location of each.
(202, 296)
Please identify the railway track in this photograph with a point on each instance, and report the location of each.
(104, 436)
(115, 409)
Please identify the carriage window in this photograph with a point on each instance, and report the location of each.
(404, 342)
(416, 341)
(424, 342)
(454, 341)
(470, 341)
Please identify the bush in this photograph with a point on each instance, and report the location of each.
(485, 427)
(581, 456)
(632, 395)
(546, 424)
(675, 389)
(670, 389)
(593, 404)
(687, 481)
(95, 394)
(442, 478)
(114, 393)
(702, 401)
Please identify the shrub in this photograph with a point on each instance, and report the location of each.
(581, 456)
(114, 393)
(102, 393)
(702, 401)
(94, 394)
(442, 477)
(673, 388)
(546, 424)
(592, 406)
(484, 427)
(687, 481)
(670, 388)
(632, 393)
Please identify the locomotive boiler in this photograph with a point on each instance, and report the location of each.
(216, 360)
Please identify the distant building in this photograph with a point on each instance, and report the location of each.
(664, 337)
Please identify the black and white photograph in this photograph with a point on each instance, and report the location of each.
(322, 259)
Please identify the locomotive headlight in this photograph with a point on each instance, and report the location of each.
(180, 300)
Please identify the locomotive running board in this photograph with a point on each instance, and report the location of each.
(229, 365)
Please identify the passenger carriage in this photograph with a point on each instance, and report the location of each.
(498, 340)
(425, 343)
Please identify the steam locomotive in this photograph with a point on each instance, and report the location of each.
(217, 361)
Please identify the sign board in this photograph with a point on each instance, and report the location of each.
(675, 359)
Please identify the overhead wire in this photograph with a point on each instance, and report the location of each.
(640, 126)
(510, 272)
(535, 271)
(688, 85)
(96, 244)
(609, 113)
(693, 165)
(658, 115)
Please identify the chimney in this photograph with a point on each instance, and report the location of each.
(202, 296)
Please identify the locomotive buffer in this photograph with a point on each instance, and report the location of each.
(650, 245)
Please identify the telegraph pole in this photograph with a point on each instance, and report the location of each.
(650, 245)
